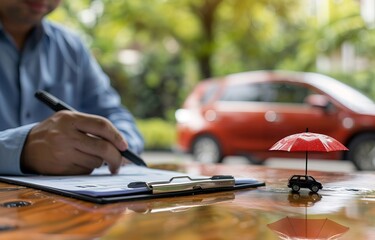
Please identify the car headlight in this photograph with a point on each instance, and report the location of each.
(183, 115)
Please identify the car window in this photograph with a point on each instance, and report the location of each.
(208, 93)
(241, 92)
(266, 92)
(311, 179)
(346, 95)
(284, 93)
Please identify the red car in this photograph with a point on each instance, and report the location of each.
(246, 113)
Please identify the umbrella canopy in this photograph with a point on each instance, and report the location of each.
(308, 141)
(299, 228)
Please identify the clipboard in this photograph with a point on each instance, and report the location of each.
(132, 183)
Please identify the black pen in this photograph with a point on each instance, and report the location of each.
(58, 105)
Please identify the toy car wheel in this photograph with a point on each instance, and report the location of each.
(296, 196)
(314, 188)
(206, 149)
(362, 152)
(314, 196)
(295, 187)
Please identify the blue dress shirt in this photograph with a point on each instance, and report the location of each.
(55, 60)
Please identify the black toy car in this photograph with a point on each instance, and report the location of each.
(304, 181)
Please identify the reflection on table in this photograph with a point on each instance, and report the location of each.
(344, 209)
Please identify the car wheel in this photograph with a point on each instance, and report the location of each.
(314, 188)
(362, 152)
(295, 187)
(206, 149)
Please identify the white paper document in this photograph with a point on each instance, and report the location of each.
(101, 182)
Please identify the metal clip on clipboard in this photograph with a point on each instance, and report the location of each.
(174, 185)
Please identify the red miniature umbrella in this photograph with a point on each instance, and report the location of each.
(299, 228)
(308, 141)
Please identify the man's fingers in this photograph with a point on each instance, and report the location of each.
(70, 143)
(76, 170)
(100, 148)
(88, 161)
(102, 128)
(125, 161)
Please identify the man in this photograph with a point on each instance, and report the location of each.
(36, 54)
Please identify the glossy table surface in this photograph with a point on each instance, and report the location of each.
(343, 209)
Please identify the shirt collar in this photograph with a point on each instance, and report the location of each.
(40, 30)
(46, 28)
(1, 27)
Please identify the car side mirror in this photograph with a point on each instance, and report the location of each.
(319, 101)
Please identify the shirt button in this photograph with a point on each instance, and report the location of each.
(28, 115)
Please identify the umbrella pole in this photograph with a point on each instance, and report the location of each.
(306, 221)
(307, 129)
(306, 165)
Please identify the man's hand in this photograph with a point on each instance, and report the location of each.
(70, 143)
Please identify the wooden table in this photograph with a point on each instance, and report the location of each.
(344, 208)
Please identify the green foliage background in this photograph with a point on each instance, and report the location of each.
(181, 42)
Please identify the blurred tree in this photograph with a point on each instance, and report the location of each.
(156, 50)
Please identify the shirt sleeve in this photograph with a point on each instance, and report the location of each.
(98, 97)
(11, 145)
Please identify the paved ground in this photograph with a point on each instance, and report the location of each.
(322, 165)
